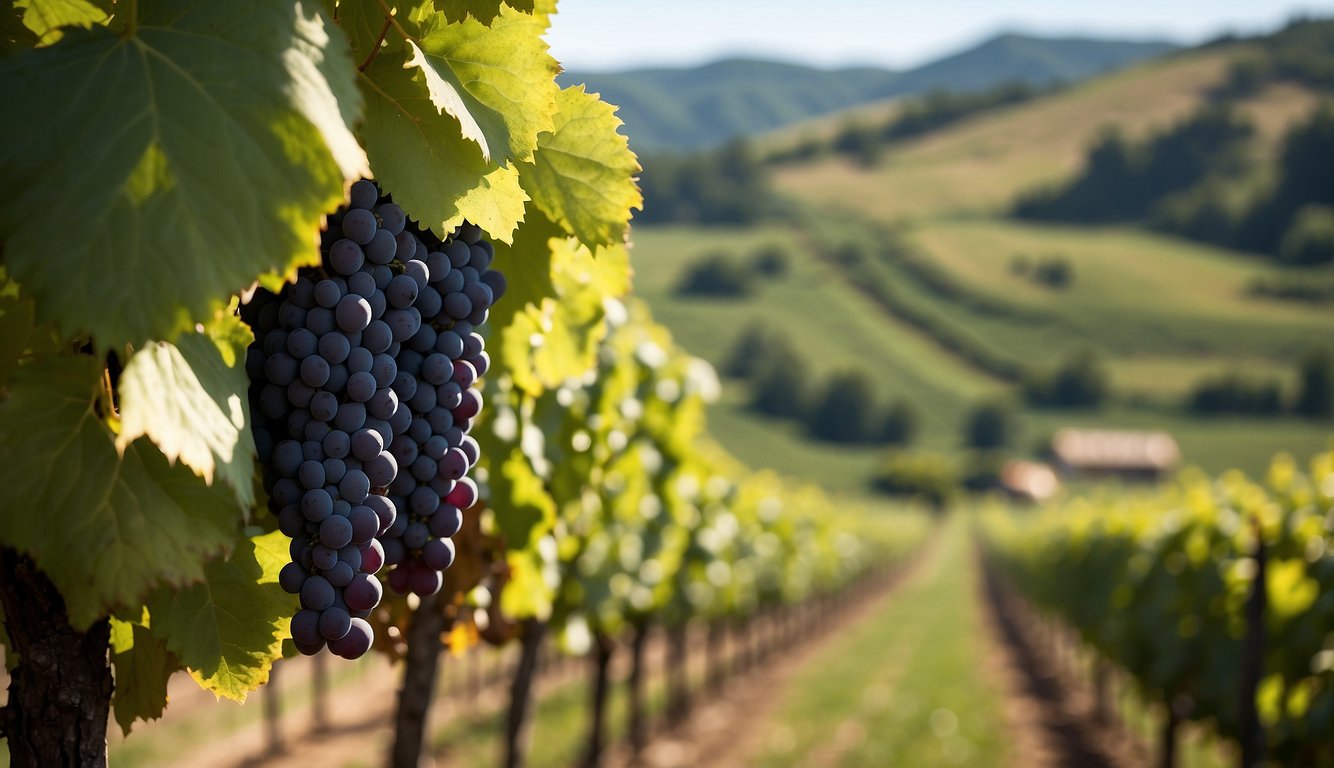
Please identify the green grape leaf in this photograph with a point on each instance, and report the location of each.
(485, 12)
(17, 316)
(105, 528)
(527, 506)
(527, 593)
(526, 263)
(143, 665)
(14, 34)
(229, 630)
(366, 26)
(583, 174)
(195, 151)
(496, 79)
(188, 398)
(46, 17)
(418, 155)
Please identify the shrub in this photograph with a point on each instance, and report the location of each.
(846, 411)
(1315, 388)
(929, 476)
(1054, 272)
(717, 274)
(989, 425)
(770, 261)
(1080, 383)
(779, 384)
(1234, 394)
(1310, 238)
(900, 423)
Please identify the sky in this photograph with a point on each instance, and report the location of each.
(619, 34)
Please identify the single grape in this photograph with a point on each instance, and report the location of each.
(355, 642)
(359, 225)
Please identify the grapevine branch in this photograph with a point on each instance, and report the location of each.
(390, 19)
(375, 49)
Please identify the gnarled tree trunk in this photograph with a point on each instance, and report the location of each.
(519, 723)
(60, 689)
(638, 705)
(603, 649)
(419, 673)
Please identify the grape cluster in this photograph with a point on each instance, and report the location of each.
(361, 371)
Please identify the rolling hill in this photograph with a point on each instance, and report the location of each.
(940, 323)
(690, 108)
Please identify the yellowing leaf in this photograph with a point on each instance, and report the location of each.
(228, 630)
(46, 17)
(498, 79)
(419, 155)
(143, 666)
(583, 175)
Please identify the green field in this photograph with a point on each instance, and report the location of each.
(978, 165)
(851, 330)
(949, 320)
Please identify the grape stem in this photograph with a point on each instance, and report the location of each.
(389, 18)
(131, 18)
(375, 49)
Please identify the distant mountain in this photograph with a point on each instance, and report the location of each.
(674, 109)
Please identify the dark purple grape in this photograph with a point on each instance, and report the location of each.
(291, 578)
(317, 593)
(363, 194)
(355, 642)
(334, 622)
(359, 225)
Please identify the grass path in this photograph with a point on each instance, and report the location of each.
(904, 686)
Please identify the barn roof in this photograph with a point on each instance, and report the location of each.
(1115, 450)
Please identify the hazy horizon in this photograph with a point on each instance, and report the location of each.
(600, 35)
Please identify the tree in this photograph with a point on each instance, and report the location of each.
(1310, 238)
(846, 411)
(1080, 382)
(717, 274)
(780, 385)
(989, 425)
(1315, 388)
(900, 424)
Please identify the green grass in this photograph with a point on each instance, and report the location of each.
(977, 166)
(904, 686)
(830, 322)
(560, 724)
(848, 329)
(1134, 293)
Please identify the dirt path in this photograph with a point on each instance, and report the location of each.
(1050, 713)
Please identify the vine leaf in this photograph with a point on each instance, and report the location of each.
(496, 79)
(229, 630)
(170, 165)
(46, 17)
(143, 665)
(485, 12)
(529, 592)
(419, 155)
(184, 397)
(105, 528)
(583, 174)
(445, 96)
(16, 325)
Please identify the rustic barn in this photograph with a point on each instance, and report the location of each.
(1133, 455)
